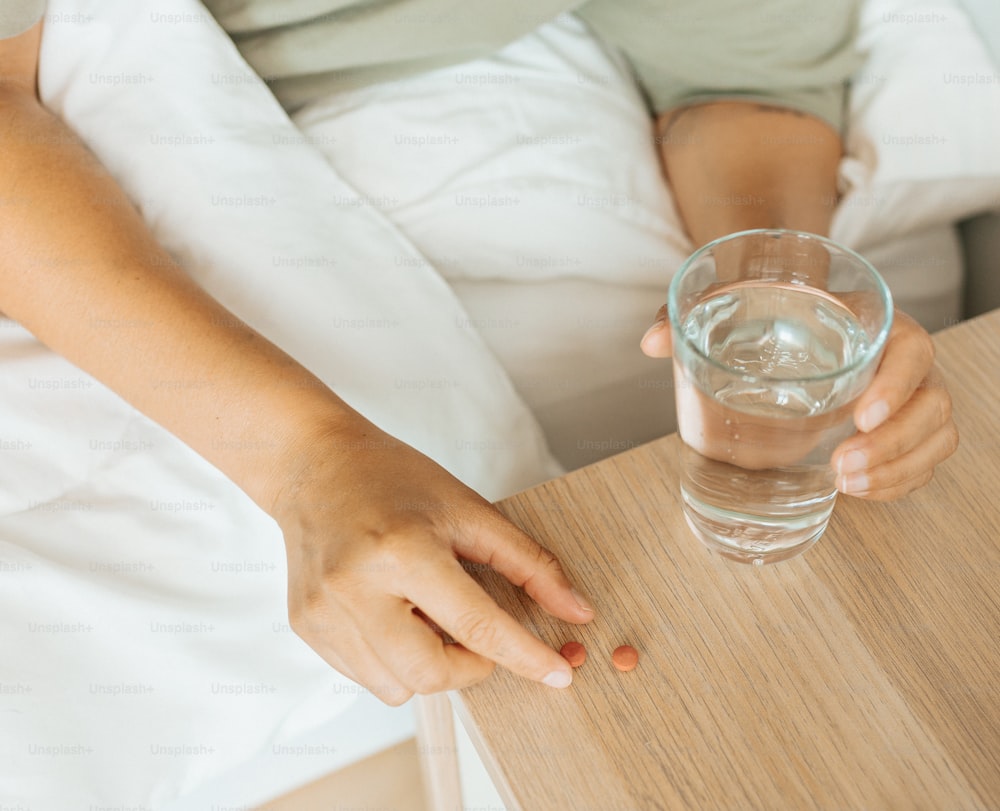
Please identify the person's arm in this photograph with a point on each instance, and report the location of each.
(737, 165)
(80, 270)
(367, 546)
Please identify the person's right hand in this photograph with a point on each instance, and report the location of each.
(905, 421)
(375, 532)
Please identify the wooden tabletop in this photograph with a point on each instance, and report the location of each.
(864, 674)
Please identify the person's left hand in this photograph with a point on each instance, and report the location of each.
(905, 426)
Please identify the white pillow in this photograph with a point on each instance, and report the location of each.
(924, 137)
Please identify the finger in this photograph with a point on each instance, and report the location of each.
(905, 473)
(362, 665)
(909, 356)
(657, 342)
(518, 557)
(457, 603)
(420, 659)
(920, 417)
(897, 491)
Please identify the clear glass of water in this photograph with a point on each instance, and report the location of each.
(776, 333)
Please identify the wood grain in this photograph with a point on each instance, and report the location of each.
(861, 675)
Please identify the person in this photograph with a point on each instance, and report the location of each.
(371, 582)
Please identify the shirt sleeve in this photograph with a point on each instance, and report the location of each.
(17, 16)
(791, 53)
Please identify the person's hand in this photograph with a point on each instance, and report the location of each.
(375, 532)
(904, 416)
(905, 426)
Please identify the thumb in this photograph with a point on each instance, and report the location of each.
(657, 342)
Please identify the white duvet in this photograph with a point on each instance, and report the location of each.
(146, 647)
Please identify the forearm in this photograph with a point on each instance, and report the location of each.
(81, 271)
(738, 165)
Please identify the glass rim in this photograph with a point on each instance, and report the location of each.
(871, 353)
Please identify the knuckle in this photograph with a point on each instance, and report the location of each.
(922, 362)
(895, 490)
(389, 691)
(548, 562)
(920, 344)
(951, 440)
(914, 484)
(390, 554)
(306, 612)
(390, 546)
(477, 632)
(899, 445)
(944, 407)
(426, 680)
(878, 481)
(395, 697)
(927, 348)
(488, 666)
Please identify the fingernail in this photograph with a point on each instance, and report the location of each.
(852, 462)
(858, 483)
(559, 679)
(582, 601)
(873, 416)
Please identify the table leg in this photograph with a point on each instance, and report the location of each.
(438, 752)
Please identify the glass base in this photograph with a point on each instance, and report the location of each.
(754, 539)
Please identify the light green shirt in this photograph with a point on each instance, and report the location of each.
(17, 16)
(795, 53)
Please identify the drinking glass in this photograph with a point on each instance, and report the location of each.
(776, 333)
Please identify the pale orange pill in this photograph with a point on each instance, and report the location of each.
(574, 653)
(625, 658)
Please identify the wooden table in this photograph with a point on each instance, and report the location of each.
(864, 674)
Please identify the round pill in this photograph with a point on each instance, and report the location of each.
(625, 658)
(574, 653)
